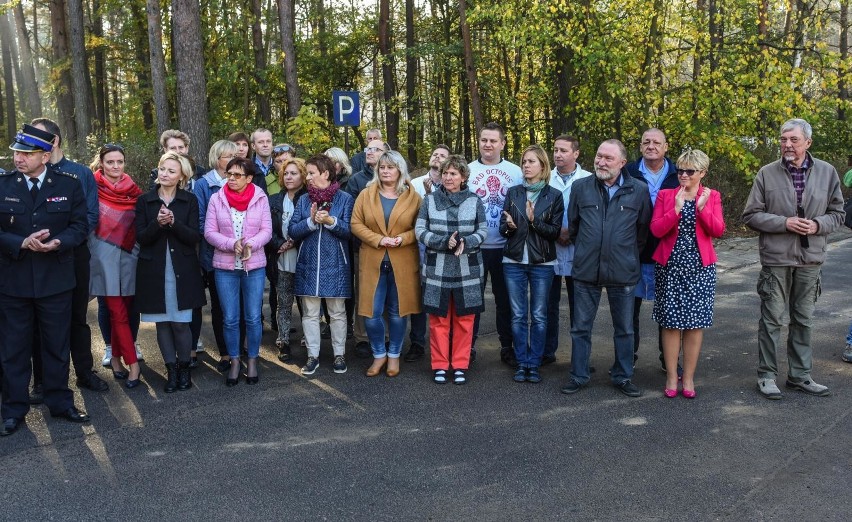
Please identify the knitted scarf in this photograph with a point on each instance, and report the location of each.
(534, 190)
(117, 210)
(239, 201)
(321, 196)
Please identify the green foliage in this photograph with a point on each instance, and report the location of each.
(308, 130)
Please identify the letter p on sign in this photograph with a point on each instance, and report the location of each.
(347, 108)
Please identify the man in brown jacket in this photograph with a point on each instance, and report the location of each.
(795, 203)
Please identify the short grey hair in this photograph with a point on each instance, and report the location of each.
(394, 158)
(621, 148)
(220, 148)
(794, 123)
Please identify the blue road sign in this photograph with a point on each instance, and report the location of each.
(347, 108)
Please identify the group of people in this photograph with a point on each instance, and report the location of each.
(359, 252)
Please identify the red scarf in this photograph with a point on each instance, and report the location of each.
(239, 201)
(117, 210)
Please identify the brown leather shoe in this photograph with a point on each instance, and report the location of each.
(393, 367)
(376, 367)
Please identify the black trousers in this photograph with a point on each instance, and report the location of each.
(18, 315)
(81, 333)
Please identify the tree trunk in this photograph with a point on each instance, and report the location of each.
(263, 110)
(158, 65)
(388, 76)
(465, 137)
(101, 99)
(8, 28)
(286, 17)
(412, 102)
(9, 83)
(28, 77)
(652, 50)
(191, 82)
(63, 87)
(843, 72)
(142, 65)
(79, 71)
(475, 103)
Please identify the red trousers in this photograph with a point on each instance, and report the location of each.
(440, 328)
(122, 339)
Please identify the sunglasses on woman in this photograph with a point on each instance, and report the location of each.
(688, 172)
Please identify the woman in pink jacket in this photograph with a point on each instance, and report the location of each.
(237, 226)
(686, 219)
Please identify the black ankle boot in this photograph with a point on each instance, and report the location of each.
(184, 381)
(171, 378)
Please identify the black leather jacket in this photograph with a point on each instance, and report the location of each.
(539, 235)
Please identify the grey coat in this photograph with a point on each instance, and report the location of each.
(444, 273)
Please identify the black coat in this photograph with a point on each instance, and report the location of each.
(182, 239)
(276, 208)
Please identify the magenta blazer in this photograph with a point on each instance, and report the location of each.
(219, 231)
(709, 223)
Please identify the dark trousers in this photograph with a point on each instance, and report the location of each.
(551, 338)
(18, 316)
(216, 317)
(492, 261)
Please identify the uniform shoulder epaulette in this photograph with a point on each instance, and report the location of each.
(6, 172)
(63, 173)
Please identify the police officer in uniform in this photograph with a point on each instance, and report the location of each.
(42, 220)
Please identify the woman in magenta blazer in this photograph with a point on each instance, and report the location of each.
(686, 220)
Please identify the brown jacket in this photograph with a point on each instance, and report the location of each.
(368, 225)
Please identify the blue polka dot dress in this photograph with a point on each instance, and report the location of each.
(685, 289)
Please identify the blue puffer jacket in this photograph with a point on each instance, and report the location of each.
(323, 266)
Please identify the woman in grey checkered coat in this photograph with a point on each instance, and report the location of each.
(452, 226)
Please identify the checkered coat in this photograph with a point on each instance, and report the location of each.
(444, 273)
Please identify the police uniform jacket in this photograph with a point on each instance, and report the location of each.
(60, 207)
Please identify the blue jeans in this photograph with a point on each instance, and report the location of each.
(849, 335)
(386, 299)
(492, 263)
(551, 338)
(529, 289)
(230, 284)
(586, 300)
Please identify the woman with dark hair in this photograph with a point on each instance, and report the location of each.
(531, 220)
(452, 225)
(114, 255)
(321, 223)
(237, 226)
(686, 220)
(168, 274)
(291, 177)
(389, 260)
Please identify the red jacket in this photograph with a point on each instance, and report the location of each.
(709, 224)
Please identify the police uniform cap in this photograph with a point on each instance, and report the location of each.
(31, 139)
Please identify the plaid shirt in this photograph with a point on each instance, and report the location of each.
(798, 175)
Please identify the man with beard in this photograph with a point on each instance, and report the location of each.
(608, 218)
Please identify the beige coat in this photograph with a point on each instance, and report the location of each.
(368, 225)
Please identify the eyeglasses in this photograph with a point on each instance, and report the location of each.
(227, 157)
(282, 148)
(688, 172)
(372, 149)
(236, 175)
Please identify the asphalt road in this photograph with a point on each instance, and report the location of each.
(345, 447)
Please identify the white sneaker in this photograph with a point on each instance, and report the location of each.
(768, 388)
(199, 346)
(139, 353)
(809, 387)
(105, 362)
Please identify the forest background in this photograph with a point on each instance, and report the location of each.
(717, 75)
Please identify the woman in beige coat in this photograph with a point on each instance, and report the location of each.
(389, 260)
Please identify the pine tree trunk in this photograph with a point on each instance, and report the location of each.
(286, 21)
(191, 81)
(263, 110)
(63, 87)
(79, 72)
(475, 103)
(388, 76)
(28, 77)
(158, 65)
(101, 99)
(8, 84)
(412, 102)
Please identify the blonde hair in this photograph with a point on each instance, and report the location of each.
(541, 156)
(693, 158)
(186, 169)
(299, 163)
(394, 158)
(338, 156)
(219, 148)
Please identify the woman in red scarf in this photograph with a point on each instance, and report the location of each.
(114, 253)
